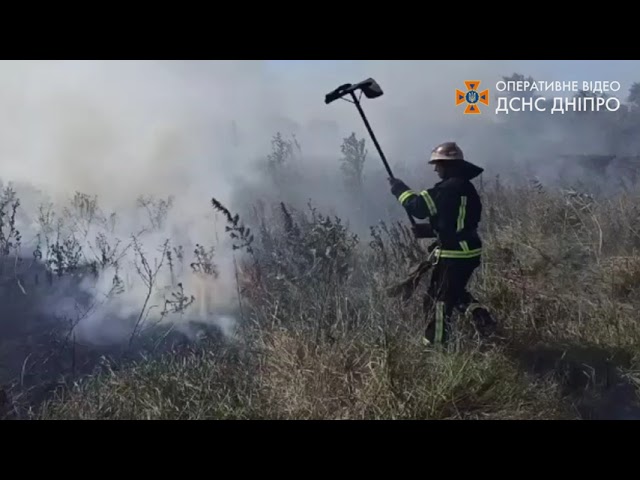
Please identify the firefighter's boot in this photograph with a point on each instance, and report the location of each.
(482, 320)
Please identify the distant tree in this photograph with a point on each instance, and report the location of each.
(354, 155)
(518, 77)
(634, 94)
(281, 151)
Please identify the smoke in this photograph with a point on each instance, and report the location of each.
(186, 131)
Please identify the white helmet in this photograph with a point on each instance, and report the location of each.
(451, 152)
(446, 151)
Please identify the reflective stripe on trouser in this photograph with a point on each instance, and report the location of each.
(439, 330)
(447, 291)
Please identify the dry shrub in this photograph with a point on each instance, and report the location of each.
(322, 340)
(325, 342)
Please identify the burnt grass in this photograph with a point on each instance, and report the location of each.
(320, 339)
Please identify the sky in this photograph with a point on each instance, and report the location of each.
(624, 71)
(620, 70)
(78, 124)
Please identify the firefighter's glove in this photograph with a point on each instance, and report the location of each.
(423, 230)
(397, 186)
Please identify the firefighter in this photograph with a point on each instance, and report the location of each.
(453, 208)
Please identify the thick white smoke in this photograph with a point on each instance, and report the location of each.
(194, 129)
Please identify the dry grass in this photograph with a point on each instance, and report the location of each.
(291, 377)
(322, 341)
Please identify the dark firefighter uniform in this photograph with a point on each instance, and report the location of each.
(454, 209)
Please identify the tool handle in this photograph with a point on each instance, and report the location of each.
(377, 145)
(349, 88)
(371, 134)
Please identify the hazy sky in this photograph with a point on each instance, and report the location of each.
(81, 124)
(621, 70)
